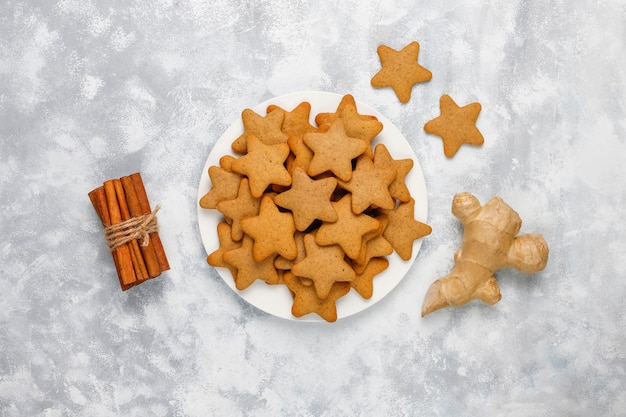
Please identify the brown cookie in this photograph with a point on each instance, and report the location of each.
(282, 263)
(266, 128)
(249, 269)
(400, 70)
(383, 159)
(348, 230)
(306, 300)
(324, 265)
(455, 125)
(369, 185)
(360, 126)
(402, 229)
(224, 186)
(363, 281)
(333, 151)
(302, 154)
(245, 205)
(373, 247)
(272, 231)
(227, 243)
(296, 122)
(308, 199)
(263, 165)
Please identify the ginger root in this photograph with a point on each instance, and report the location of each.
(489, 244)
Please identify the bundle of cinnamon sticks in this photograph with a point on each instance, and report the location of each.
(130, 227)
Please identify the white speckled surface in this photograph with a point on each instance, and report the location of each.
(94, 89)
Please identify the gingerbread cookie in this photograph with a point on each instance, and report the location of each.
(324, 265)
(333, 151)
(363, 281)
(308, 199)
(248, 268)
(402, 229)
(227, 243)
(240, 208)
(263, 165)
(348, 230)
(383, 159)
(306, 300)
(224, 186)
(272, 232)
(455, 125)
(267, 128)
(360, 126)
(400, 70)
(369, 185)
(282, 263)
(296, 121)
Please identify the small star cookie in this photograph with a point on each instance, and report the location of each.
(282, 263)
(306, 300)
(267, 128)
(400, 70)
(455, 125)
(227, 243)
(296, 122)
(248, 269)
(360, 126)
(272, 231)
(224, 186)
(240, 208)
(363, 282)
(403, 229)
(333, 151)
(263, 165)
(348, 230)
(324, 265)
(369, 185)
(308, 199)
(383, 159)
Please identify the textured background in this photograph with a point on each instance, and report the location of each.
(95, 89)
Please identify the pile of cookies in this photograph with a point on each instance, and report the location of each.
(313, 207)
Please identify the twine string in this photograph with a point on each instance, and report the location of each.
(136, 228)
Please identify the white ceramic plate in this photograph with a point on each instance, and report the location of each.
(276, 299)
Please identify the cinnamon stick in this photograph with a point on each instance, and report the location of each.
(99, 202)
(144, 204)
(138, 263)
(126, 269)
(134, 207)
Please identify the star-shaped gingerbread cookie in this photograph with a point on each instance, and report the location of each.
(227, 243)
(324, 265)
(272, 231)
(263, 165)
(248, 269)
(224, 186)
(296, 122)
(240, 208)
(400, 70)
(383, 159)
(402, 229)
(308, 199)
(333, 151)
(369, 185)
(306, 300)
(360, 126)
(348, 230)
(363, 282)
(455, 125)
(267, 128)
